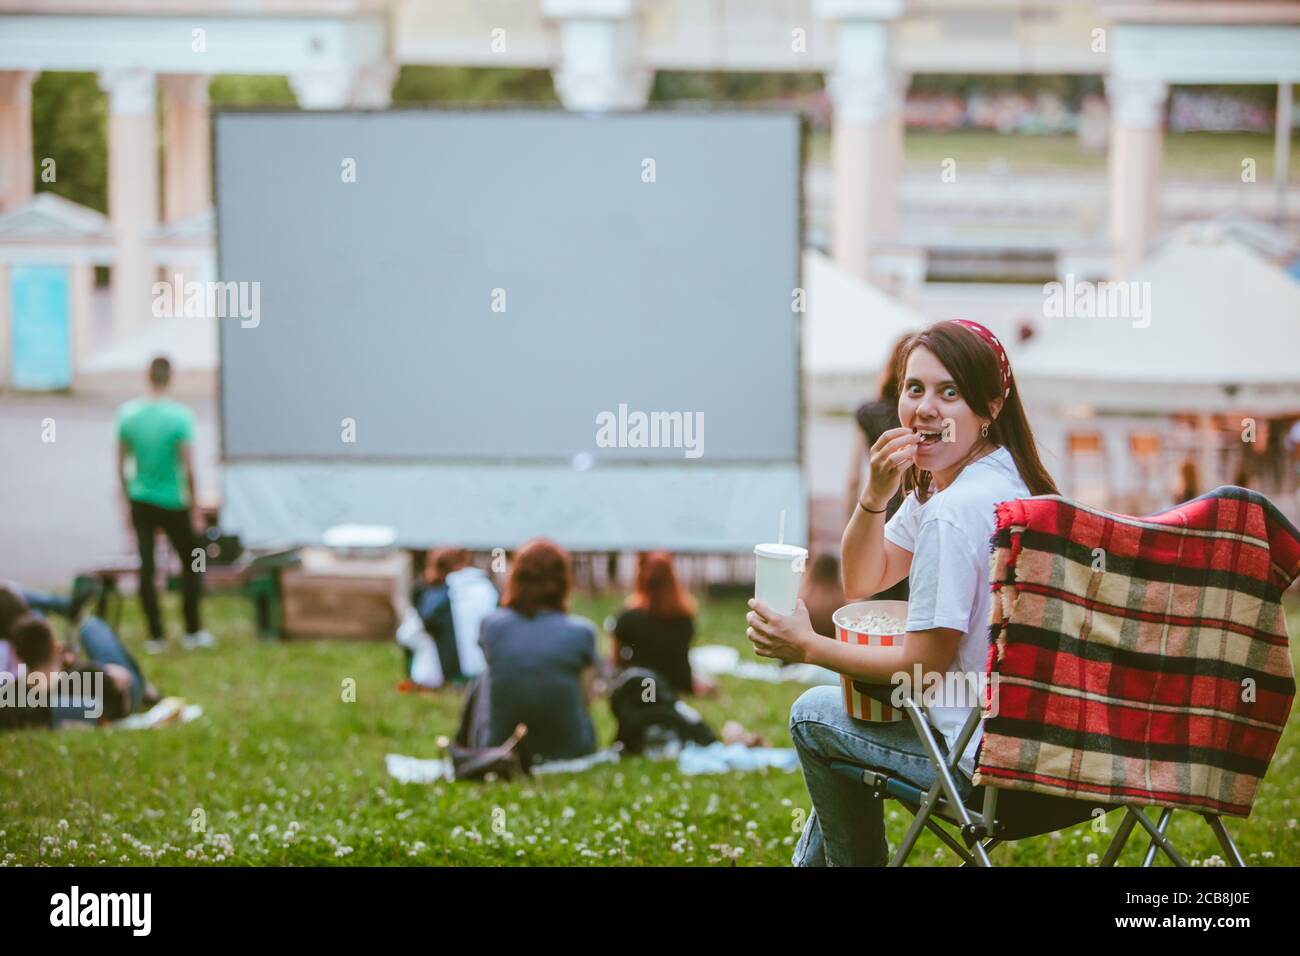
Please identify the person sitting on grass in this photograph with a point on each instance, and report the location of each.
(540, 664)
(433, 604)
(823, 594)
(655, 628)
(59, 690)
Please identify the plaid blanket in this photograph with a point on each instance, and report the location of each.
(1139, 660)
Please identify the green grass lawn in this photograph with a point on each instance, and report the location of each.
(1201, 156)
(283, 771)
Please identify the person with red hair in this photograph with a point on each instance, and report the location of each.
(655, 628)
(541, 663)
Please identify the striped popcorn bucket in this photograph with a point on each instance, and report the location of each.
(857, 704)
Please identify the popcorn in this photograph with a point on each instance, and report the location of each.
(879, 624)
(870, 625)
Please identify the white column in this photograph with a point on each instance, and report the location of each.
(132, 191)
(601, 65)
(867, 93)
(187, 167)
(1137, 106)
(6, 332)
(322, 89)
(16, 160)
(363, 87)
(81, 312)
(372, 86)
(1282, 151)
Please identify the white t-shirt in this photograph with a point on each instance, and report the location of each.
(949, 583)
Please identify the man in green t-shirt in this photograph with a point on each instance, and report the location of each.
(157, 434)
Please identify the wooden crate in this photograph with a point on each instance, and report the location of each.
(340, 598)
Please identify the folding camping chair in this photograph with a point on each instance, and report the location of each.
(1122, 681)
(993, 815)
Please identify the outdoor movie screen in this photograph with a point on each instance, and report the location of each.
(510, 288)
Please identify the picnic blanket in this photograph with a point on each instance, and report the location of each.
(714, 660)
(165, 713)
(691, 760)
(1139, 660)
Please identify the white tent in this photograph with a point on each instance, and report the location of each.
(1216, 328)
(849, 330)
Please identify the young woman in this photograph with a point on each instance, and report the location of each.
(433, 604)
(964, 445)
(654, 630)
(540, 663)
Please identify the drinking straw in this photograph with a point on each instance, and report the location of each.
(780, 537)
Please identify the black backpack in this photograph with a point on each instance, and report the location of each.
(648, 711)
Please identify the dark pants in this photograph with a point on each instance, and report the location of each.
(175, 523)
(475, 728)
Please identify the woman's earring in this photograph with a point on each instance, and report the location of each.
(984, 430)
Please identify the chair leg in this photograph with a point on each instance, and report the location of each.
(1163, 827)
(1121, 837)
(988, 845)
(920, 815)
(945, 779)
(1159, 838)
(951, 842)
(1225, 839)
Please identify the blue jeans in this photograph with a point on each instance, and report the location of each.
(43, 603)
(101, 646)
(847, 825)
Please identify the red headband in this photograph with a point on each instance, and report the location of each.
(1004, 367)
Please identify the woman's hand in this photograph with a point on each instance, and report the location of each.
(786, 637)
(893, 451)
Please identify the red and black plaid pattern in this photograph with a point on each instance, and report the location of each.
(1139, 660)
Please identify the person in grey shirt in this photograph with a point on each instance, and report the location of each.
(541, 662)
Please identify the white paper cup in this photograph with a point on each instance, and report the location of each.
(778, 570)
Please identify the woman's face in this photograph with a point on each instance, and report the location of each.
(929, 403)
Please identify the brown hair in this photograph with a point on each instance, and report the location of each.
(891, 375)
(160, 372)
(12, 607)
(974, 368)
(33, 640)
(540, 577)
(440, 562)
(657, 590)
(825, 570)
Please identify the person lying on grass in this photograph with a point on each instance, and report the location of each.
(55, 691)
